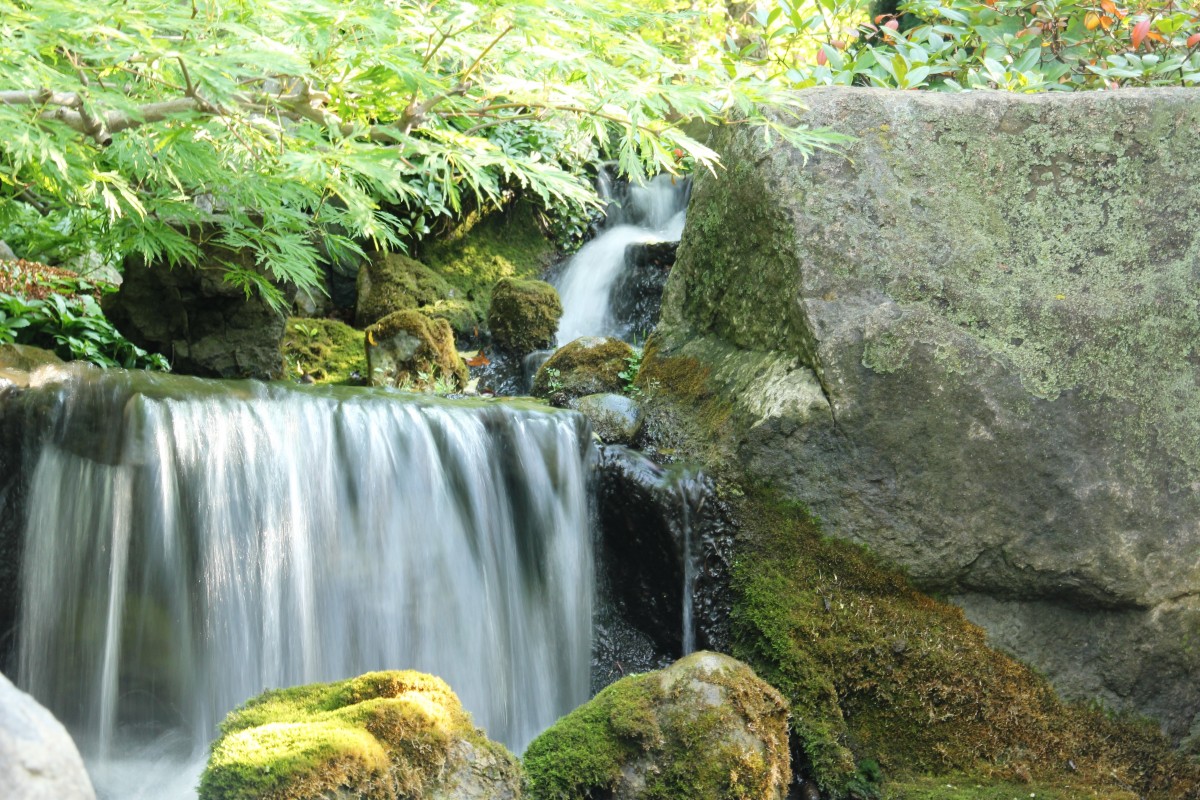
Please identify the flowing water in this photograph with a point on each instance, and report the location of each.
(191, 543)
(650, 212)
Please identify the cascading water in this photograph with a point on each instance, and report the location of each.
(650, 212)
(189, 544)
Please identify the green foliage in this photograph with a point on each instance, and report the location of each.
(979, 44)
(633, 365)
(73, 327)
(281, 127)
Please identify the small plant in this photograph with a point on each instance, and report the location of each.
(307, 331)
(633, 365)
(866, 782)
(553, 380)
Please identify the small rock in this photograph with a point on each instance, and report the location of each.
(588, 365)
(38, 759)
(523, 315)
(407, 349)
(614, 417)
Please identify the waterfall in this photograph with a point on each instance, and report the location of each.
(191, 543)
(649, 212)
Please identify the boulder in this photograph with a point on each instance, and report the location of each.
(615, 418)
(705, 728)
(968, 342)
(38, 759)
(637, 292)
(381, 735)
(408, 349)
(523, 315)
(324, 351)
(18, 361)
(588, 365)
(204, 325)
(391, 282)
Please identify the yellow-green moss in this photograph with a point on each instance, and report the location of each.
(392, 282)
(962, 787)
(876, 670)
(523, 315)
(589, 365)
(484, 250)
(409, 349)
(326, 350)
(681, 747)
(382, 735)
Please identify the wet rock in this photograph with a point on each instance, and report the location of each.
(204, 325)
(409, 350)
(588, 365)
(969, 344)
(523, 315)
(615, 417)
(705, 728)
(38, 759)
(637, 294)
(18, 361)
(383, 734)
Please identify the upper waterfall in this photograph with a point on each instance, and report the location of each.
(190, 543)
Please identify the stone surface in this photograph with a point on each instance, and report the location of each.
(383, 734)
(18, 361)
(588, 365)
(705, 728)
(523, 315)
(615, 417)
(410, 350)
(202, 324)
(637, 293)
(969, 344)
(38, 759)
(391, 282)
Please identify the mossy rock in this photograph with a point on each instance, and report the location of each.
(325, 351)
(483, 250)
(705, 728)
(381, 736)
(588, 365)
(411, 350)
(391, 282)
(18, 360)
(523, 315)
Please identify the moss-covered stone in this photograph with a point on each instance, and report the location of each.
(325, 351)
(391, 282)
(381, 736)
(408, 349)
(523, 315)
(588, 365)
(704, 729)
(485, 249)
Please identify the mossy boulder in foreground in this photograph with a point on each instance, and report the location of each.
(381, 736)
(523, 315)
(410, 350)
(588, 365)
(706, 728)
(325, 351)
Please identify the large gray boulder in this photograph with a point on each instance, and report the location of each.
(38, 759)
(970, 343)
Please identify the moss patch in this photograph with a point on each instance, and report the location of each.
(326, 350)
(484, 250)
(523, 315)
(409, 349)
(589, 365)
(392, 282)
(649, 736)
(382, 735)
(961, 787)
(876, 670)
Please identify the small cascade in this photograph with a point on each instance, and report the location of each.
(692, 496)
(649, 212)
(189, 544)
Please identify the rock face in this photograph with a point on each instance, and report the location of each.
(637, 293)
(203, 325)
(523, 315)
(410, 350)
(18, 361)
(381, 735)
(705, 728)
(391, 282)
(970, 344)
(615, 418)
(588, 365)
(38, 759)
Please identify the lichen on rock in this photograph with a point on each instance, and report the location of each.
(408, 349)
(705, 728)
(588, 365)
(381, 736)
(523, 315)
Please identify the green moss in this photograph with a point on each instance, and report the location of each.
(327, 350)
(961, 787)
(410, 349)
(392, 282)
(486, 249)
(876, 670)
(523, 315)
(589, 365)
(680, 747)
(382, 735)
